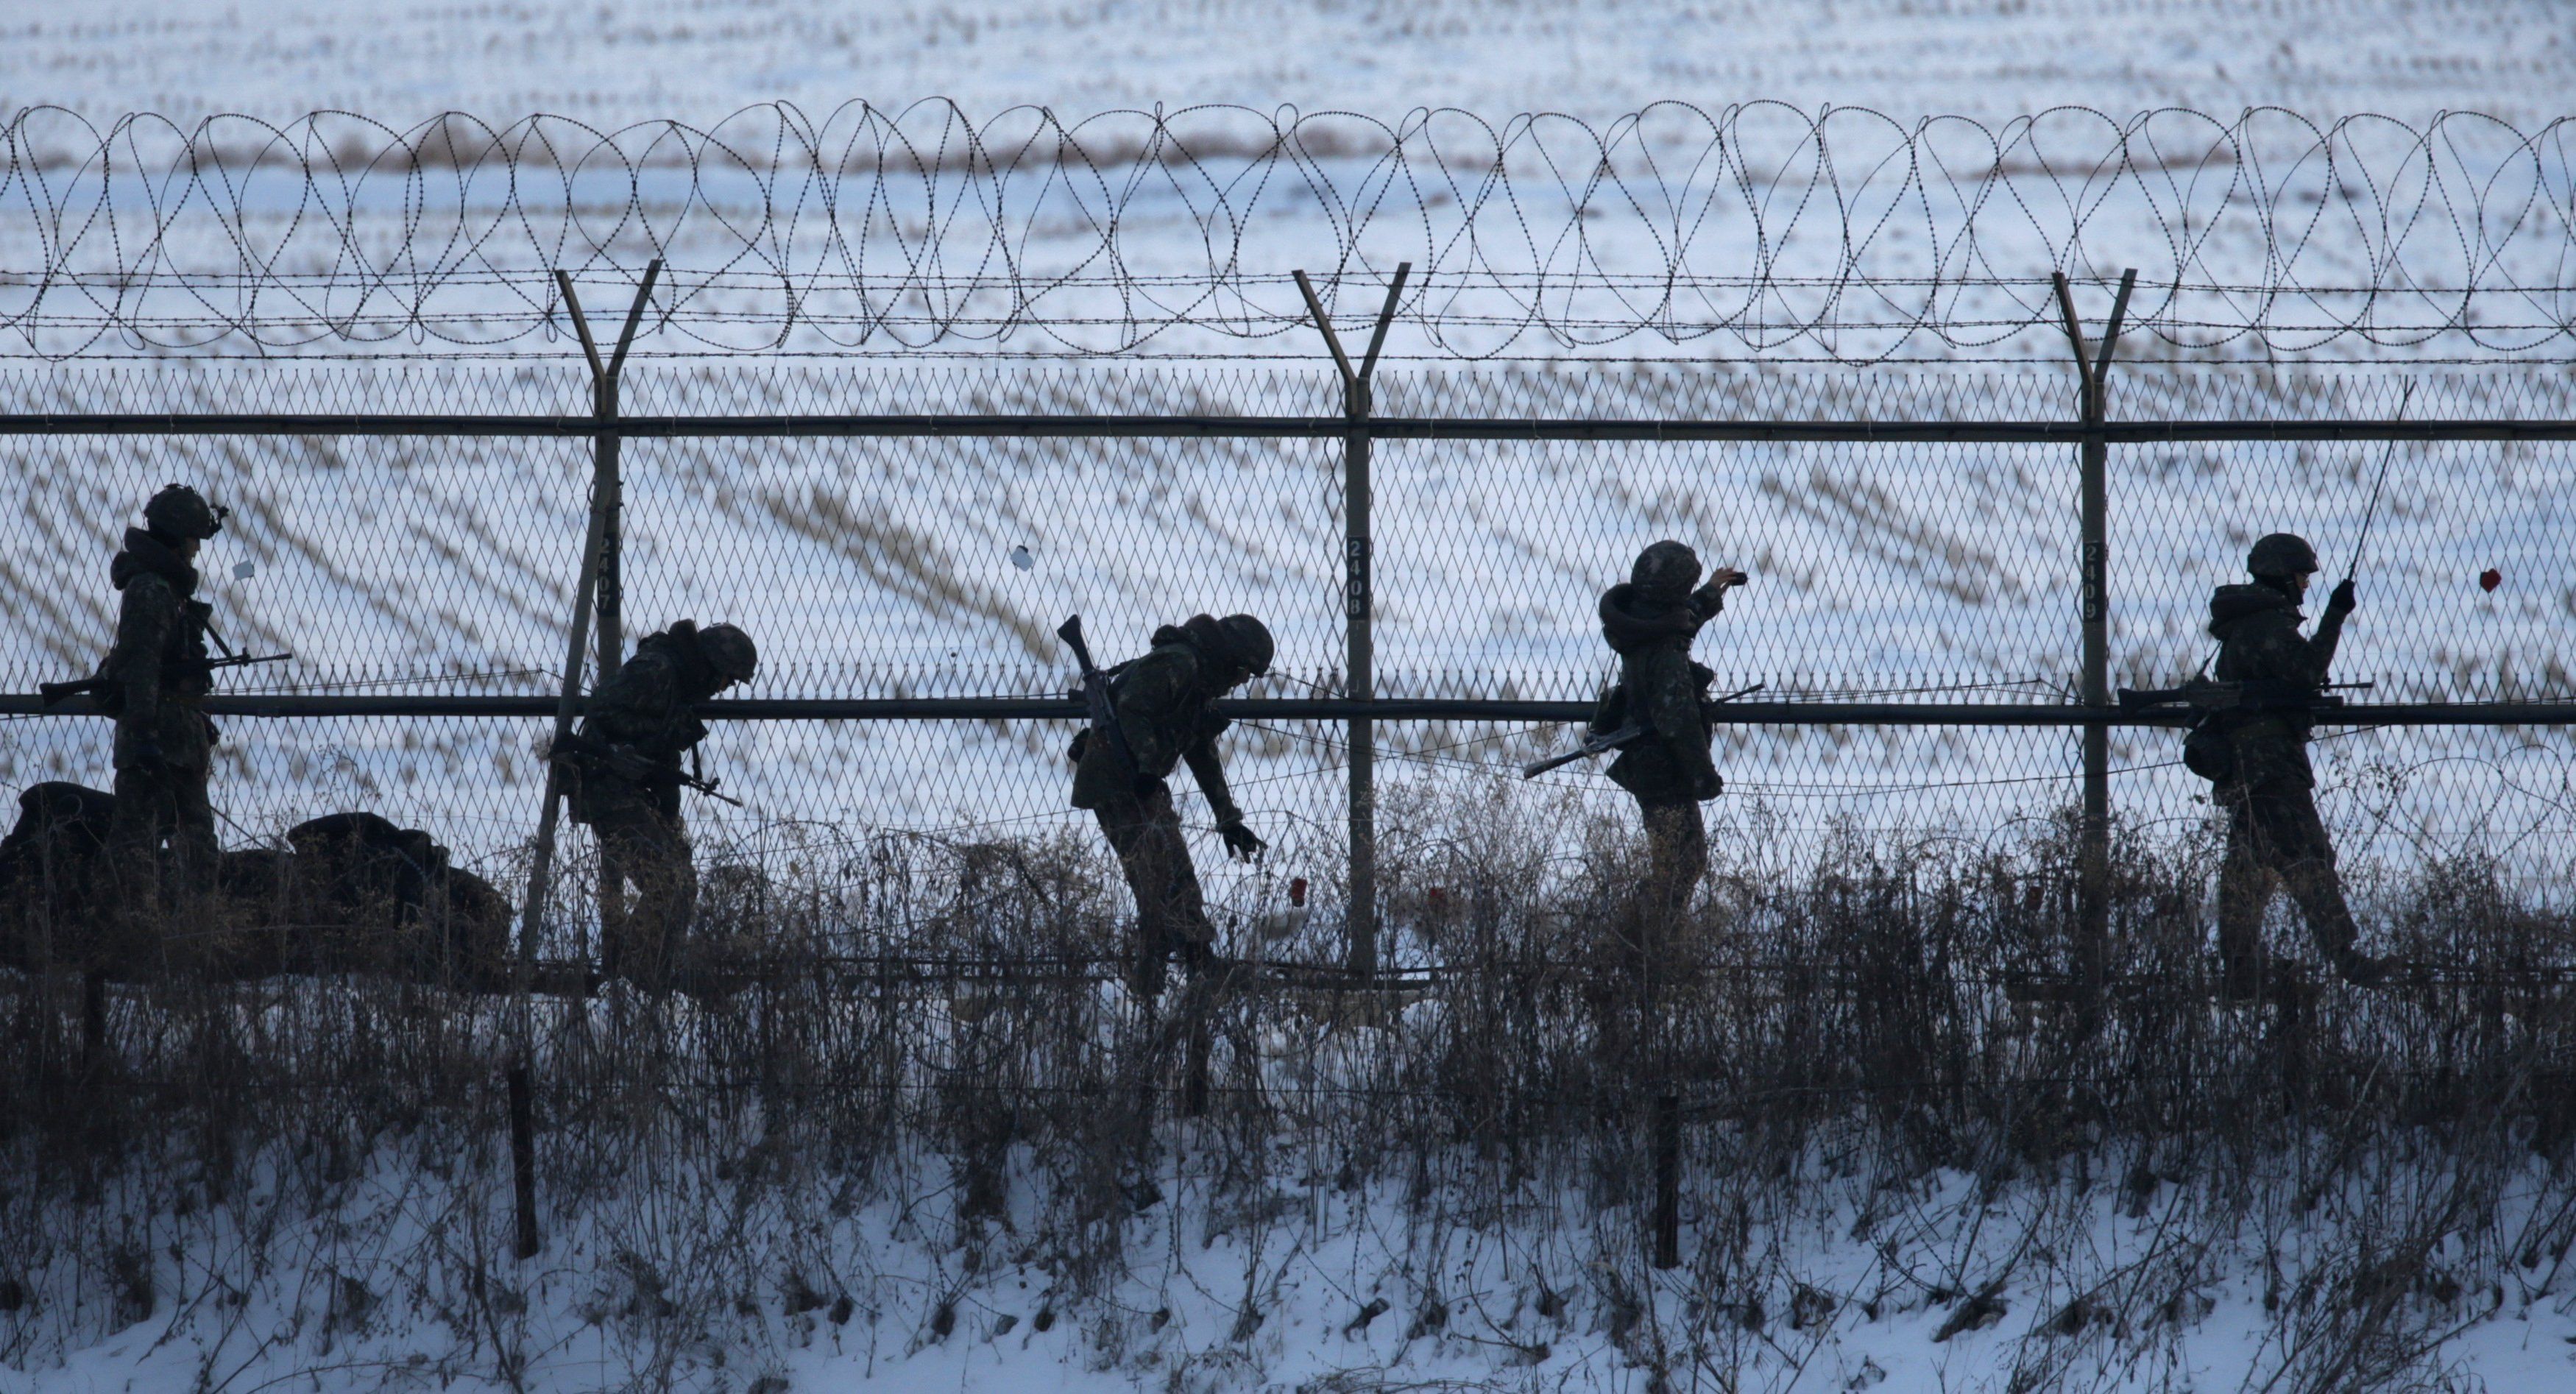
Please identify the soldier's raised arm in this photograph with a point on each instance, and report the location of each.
(2329, 631)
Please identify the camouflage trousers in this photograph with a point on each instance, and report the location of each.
(1629, 997)
(161, 846)
(642, 845)
(1676, 861)
(1171, 911)
(2273, 831)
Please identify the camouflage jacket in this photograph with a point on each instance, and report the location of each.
(1163, 708)
(649, 707)
(1661, 689)
(2257, 629)
(157, 672)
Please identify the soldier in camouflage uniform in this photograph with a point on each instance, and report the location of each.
(1650, 622)
(2268, 788)
(162, 835)
(646, 714)
(1162, 700)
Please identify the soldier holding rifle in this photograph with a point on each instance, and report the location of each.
(2252, 744)
(1148, 715)
(626, 760)
(2254, 748)
(154, 682)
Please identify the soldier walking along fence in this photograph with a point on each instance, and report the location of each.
(1703, 454)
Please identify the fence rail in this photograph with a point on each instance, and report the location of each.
(1154, 427)
(1471, 709)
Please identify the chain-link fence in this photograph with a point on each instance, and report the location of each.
(410, 570)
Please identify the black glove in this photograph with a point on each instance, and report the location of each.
(1081, 742)
(1712, 596)
(2342, 601)
(1147, 787)
(1706, 784)
(1241, 842)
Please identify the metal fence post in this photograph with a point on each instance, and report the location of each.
(595, 543)
(603, 502)
(1668, 1181)
(2093, 893)
(607, 474)
(1357, 596)
(522, 1091)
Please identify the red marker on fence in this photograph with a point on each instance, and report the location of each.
(2489, 579)
(1297, 891)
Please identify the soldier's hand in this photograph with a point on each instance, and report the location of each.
(1147, 787)
(1713, 592)
(1241, 842)
(1706, 784)
(2343, 600)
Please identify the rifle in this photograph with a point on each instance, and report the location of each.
(1611, 740)
(1098, 700)
(625, 761)
(2253, 695)
(53, 693)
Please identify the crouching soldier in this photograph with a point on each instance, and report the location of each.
(2261, 763)
(627, 762)
(1161, 701)
(1650, 622)
(161, 837)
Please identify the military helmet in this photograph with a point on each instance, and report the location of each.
(181, 512)
(1247, 641)
(729, 651)
(2281, 554)
(1667, 568)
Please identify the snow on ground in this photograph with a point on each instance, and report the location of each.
(1292, 1281)
(699, 59)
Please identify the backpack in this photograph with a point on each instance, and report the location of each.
(2207, 750)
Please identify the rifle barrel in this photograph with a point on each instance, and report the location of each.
(1535, 768)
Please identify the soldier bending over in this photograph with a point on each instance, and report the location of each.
(156, 681)
(2267, 787)
(1650, 623)
(1162, 701)
(638, 725)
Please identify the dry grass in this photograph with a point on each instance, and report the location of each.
(924, 1025)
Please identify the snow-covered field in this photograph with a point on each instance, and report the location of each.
(879, 568)
(700, 59)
